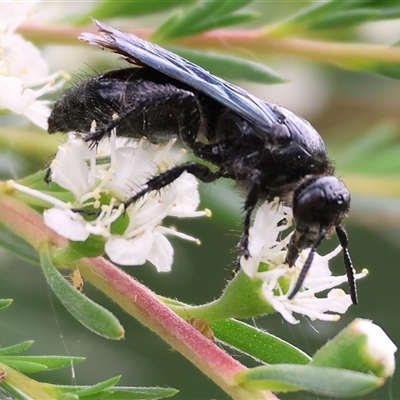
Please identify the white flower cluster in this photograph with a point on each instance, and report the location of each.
(124, 169)
(267, 264)
(24, 76)
(131, 165)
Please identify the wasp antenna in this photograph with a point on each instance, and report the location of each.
(307, 264)
(342, 236)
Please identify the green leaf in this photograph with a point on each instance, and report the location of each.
(133, 8)
(203, 16)
(127, 393)
(377, 3)
(320, 380)
(26, 367)
(67, 396)
(15, 392)
(230, 67)
(178, 24)
(12, 242)
(319, 9)
(344, 19)
(257, 343)
(49, 362)
(387, 9)
(36, 181)
(220, 22)
(5, 303)
(391, 12)
(167, 28)
(335, 14)
(107, 390)
(390, 70)
(311, 13)
(376, 152)
(16, 348)
(93, 316)
(386, 162)
(98, 387)
(230, 6)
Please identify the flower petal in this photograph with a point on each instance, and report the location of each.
(187, 196)
(69, 168)
(66, 223)
(161, 254)
(14, 96)
(129, 251)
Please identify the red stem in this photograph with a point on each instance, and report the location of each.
(136, 299)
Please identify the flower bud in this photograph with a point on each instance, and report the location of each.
(361, 346)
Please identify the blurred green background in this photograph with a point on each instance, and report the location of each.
(345, 107)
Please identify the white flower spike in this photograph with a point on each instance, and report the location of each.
(24, 76)
(267, 264)
(124, 168)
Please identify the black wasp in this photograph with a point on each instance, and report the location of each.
(266, 149)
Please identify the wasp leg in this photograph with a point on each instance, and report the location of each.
(249, 205)
(307, 264)
(160, 181)
(47, 176)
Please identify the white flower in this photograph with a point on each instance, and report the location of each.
(24, 76)
(14, 12)
(267, 263)
(103, 185)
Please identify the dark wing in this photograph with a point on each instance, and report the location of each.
(144, 53)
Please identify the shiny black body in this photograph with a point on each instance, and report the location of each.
(267, 150)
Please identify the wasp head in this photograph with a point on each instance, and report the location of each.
(319, 206)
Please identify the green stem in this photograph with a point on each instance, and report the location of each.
(242, 298)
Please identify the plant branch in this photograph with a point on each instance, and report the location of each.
(143, 304)
(30, 387)
(257, 41)
(136, 299)
(25, 222)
